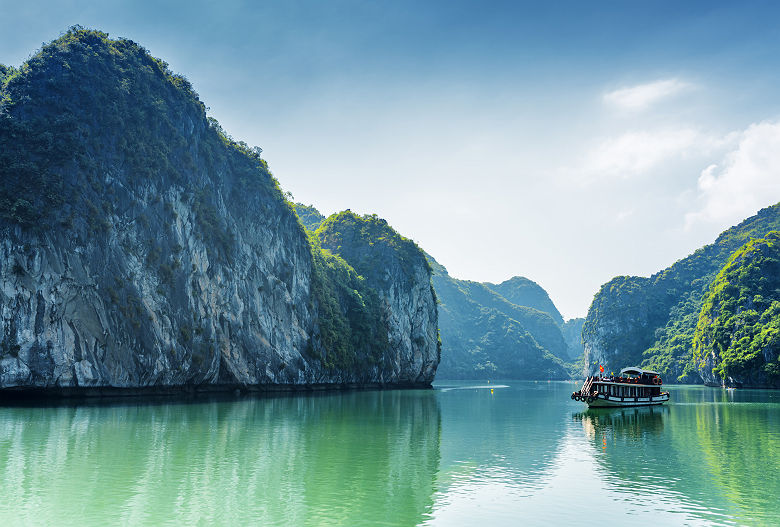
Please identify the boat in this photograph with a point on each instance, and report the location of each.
(633, 387)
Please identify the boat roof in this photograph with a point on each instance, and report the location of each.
(633, 370)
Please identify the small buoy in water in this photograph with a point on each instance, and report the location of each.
(488, 381)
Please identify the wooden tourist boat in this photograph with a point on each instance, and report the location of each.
(633, 387)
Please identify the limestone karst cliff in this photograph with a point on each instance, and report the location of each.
(651, 321)
(141, 247)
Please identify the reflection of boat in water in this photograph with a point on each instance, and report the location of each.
(633, 387)
(623, 422)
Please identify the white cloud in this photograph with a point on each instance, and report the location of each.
(624, 214)
(747, 179)
(642, 96)
(637, 152)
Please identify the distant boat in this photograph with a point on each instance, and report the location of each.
(633, 387)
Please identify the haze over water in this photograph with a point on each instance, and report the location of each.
(456, 455)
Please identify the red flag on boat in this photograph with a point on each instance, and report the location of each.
(601, 368)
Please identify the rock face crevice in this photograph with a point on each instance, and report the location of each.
(141, 247)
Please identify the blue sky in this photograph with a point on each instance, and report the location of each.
(568, 142)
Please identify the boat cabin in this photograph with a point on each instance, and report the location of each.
(632, 382)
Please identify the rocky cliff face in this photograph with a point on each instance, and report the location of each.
(141, 247)
(572, 333)
(613, 340)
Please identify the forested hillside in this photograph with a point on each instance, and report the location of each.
(484, 335)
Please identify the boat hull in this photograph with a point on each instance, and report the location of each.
(603, 401)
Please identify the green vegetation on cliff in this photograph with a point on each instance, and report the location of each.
(738, 331)
(309, 216)
(652, 321)
(356, 257)
(352, 323)
(353, 327)
(368, 243)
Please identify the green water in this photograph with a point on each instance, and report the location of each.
(456, 455)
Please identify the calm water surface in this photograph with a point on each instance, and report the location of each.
(456, 455)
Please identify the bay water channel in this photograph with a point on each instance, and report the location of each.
(464, 453)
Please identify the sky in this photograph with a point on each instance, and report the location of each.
(568, 142)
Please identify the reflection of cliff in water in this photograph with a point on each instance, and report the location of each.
(632, 445)
(342, 458)
(513, 432)
(626, 442)
(739, 450)
(712, 449)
